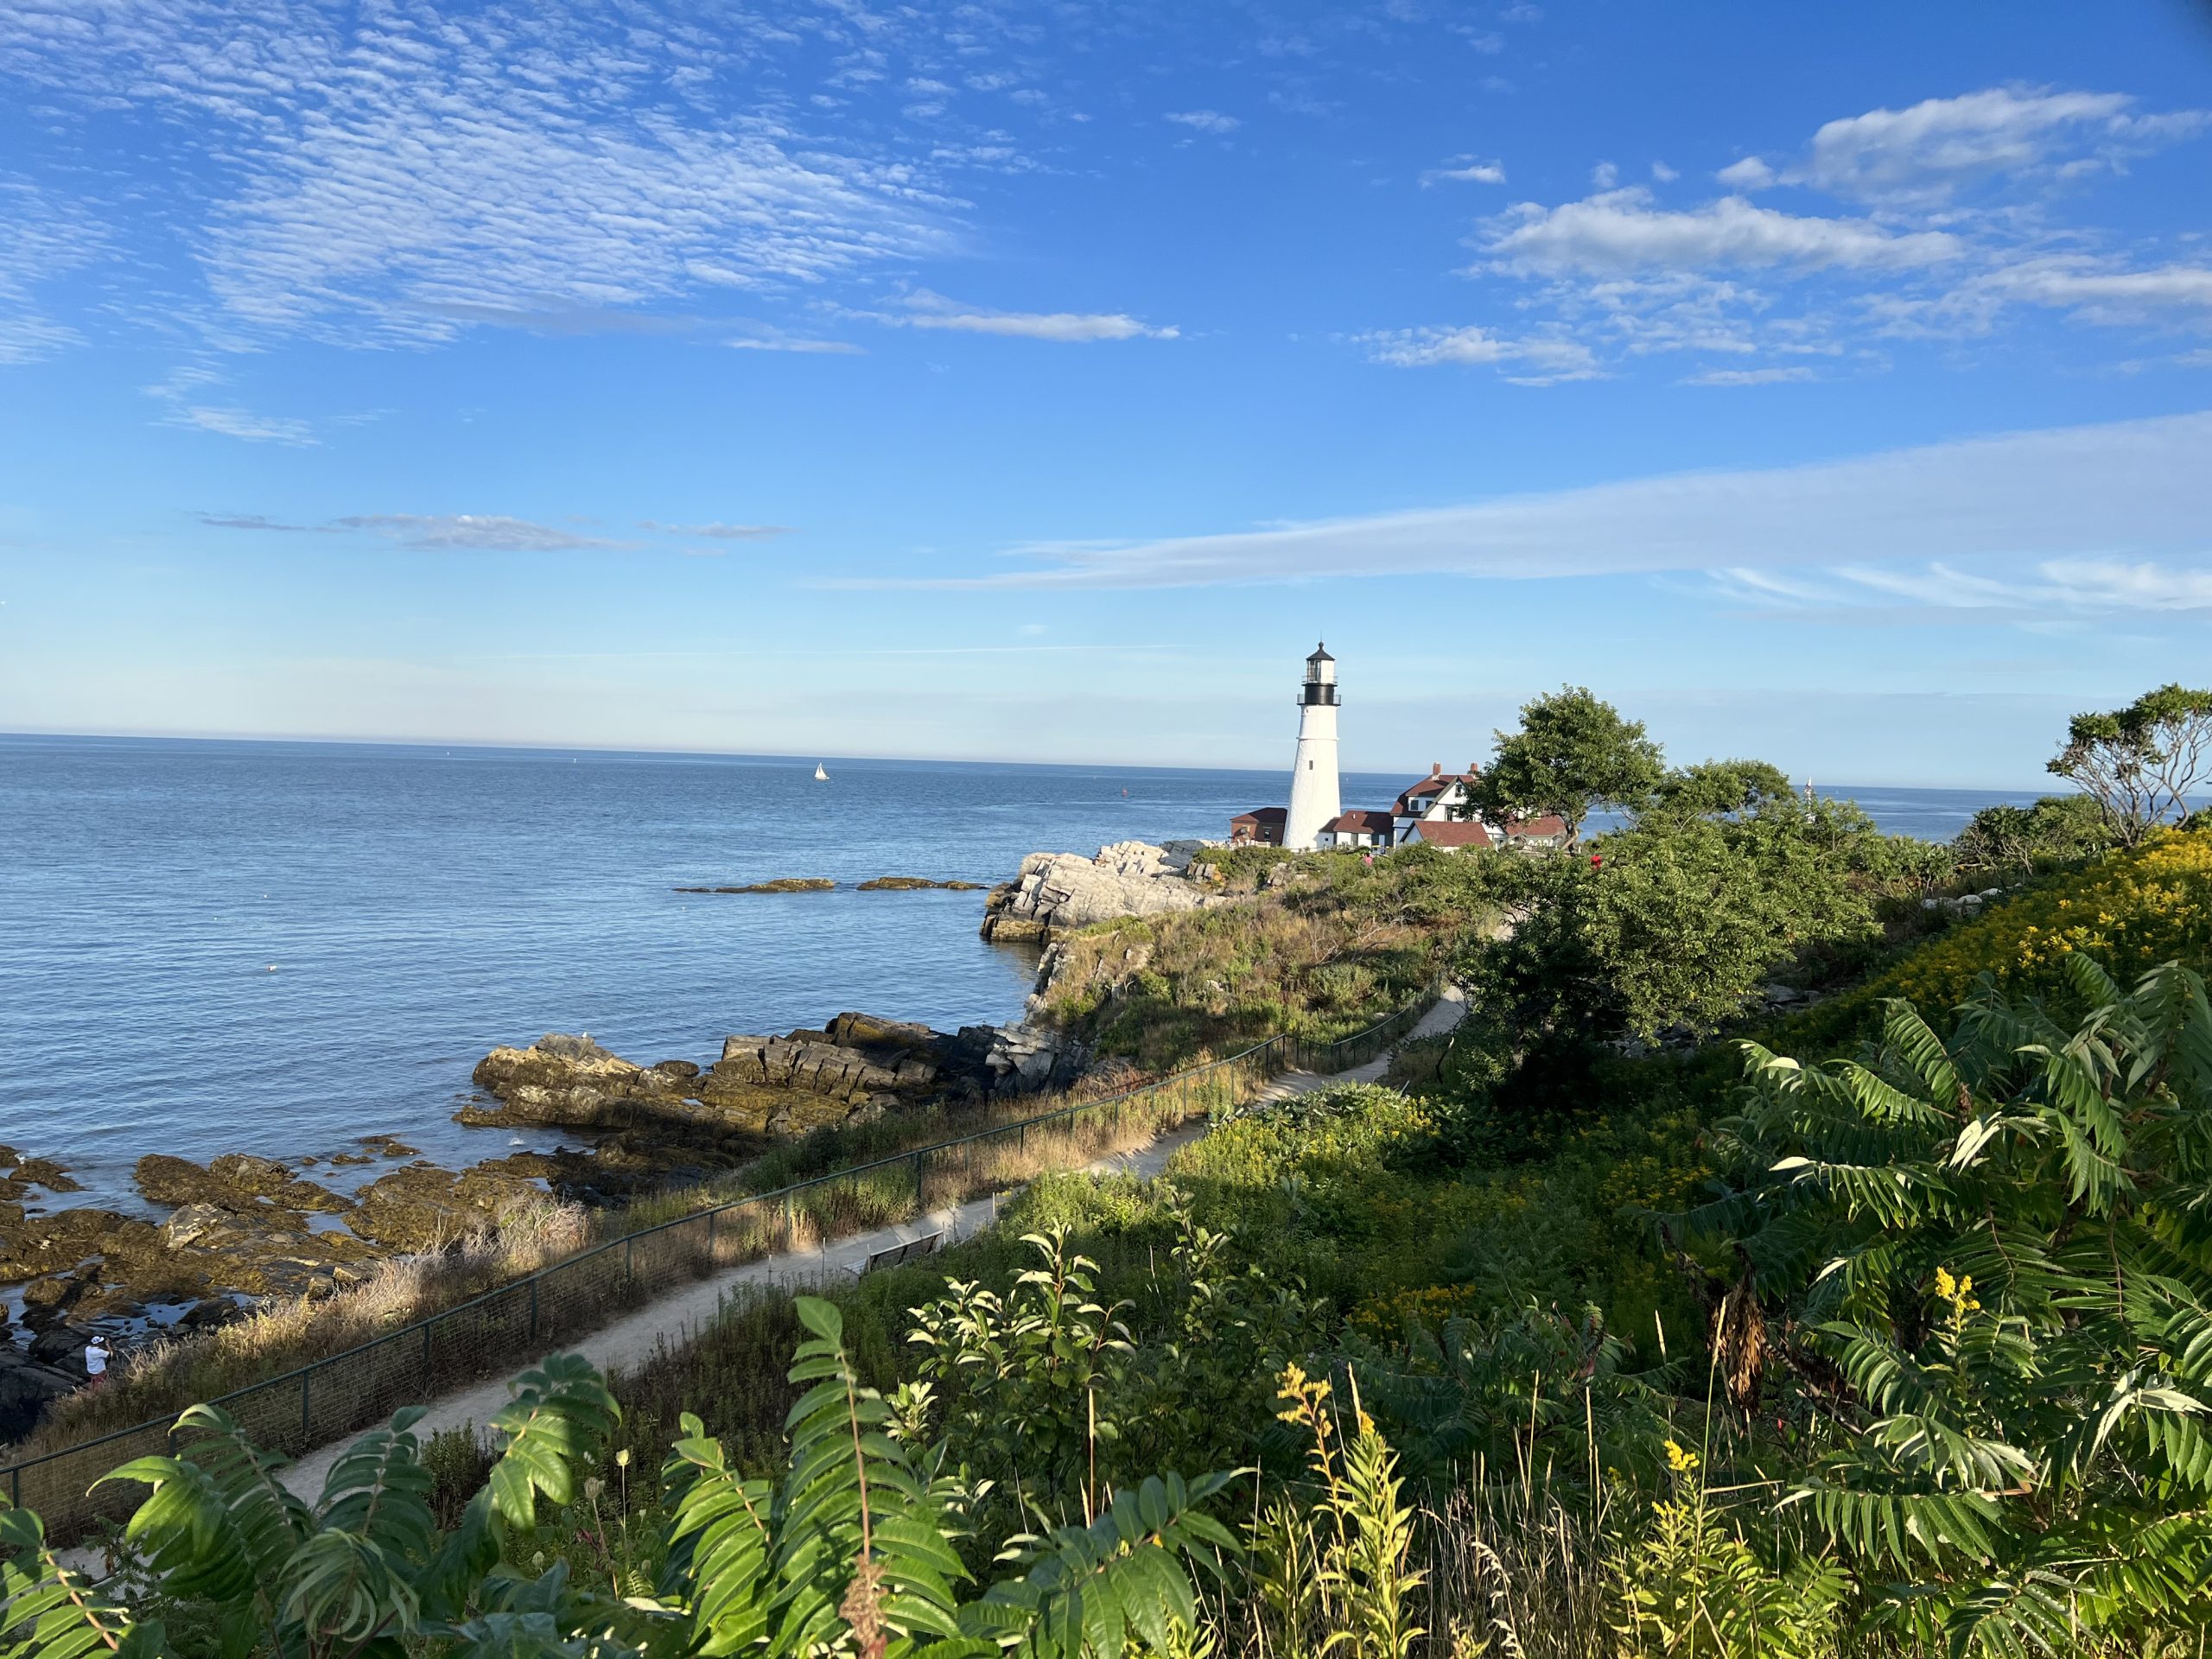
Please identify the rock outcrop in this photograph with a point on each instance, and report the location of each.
(1055, 892)
(781, 884)
(915, 884)
(858, 1067)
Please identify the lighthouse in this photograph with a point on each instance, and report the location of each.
(1314, 798)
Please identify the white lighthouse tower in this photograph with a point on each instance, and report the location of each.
(1314, 798)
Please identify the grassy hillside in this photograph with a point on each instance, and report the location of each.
(1322, 943)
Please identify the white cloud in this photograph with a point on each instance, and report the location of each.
(1621, 231)
(719, 532)
(2061, 588)
(2130, 490)
(1929, 149)
(1750, 174)
(2107, 295)
(1466, 169)
(1540, 362)
(1604, 175)
(235, 422)
(42, 239)
(369, 180)
(491, 532)
(1205, 120)
(1770, 377)
(1663, 173)
(935, 311)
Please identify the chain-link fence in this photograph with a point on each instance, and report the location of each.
(506, 1329)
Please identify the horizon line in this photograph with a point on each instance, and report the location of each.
(801, 756)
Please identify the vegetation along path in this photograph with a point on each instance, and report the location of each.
(673, 1319)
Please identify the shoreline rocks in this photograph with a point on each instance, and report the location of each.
(781, 884)
(1055, 893)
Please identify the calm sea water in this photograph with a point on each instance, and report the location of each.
(211, 947)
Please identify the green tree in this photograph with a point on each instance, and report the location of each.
(2023, 840)
(1573, 754)
(1682, 916)
(2139, 763)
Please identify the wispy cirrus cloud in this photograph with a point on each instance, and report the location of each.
(487, 532)
(1534, 361)
(1466, 169)
(495, 532)
(719, 532)
(2044, 590)
(2125, 491)
(928, 310)
(42, 239)
(1211, 121)
(403, 176)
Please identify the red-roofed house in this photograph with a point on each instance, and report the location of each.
(1262, 826)
(1434, 798)
(1355, 830)
(1451, 835)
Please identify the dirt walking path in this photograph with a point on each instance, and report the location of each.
(677, 1316)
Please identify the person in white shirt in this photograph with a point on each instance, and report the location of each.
(95, 1358)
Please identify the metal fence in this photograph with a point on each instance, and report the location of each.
(506, 1329)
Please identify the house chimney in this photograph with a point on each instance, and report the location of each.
(1436, 768)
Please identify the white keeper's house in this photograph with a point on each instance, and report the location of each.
(1360, 829)
(1437, 798)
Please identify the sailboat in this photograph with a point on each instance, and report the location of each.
(820, 776)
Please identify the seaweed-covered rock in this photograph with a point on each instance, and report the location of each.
(569, 1081)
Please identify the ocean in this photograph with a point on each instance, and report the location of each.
(276, 948)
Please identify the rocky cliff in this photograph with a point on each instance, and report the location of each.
(1055, 892)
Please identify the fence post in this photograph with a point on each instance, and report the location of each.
(630, 1256)
(918, 1178)
(710, 1235)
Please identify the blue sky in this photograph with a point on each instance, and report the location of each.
(1038, 381)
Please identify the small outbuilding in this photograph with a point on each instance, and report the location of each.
(1359, 830)
(1260, 827)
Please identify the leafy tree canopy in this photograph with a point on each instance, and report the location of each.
(2023, 839)
(2139, 763)
(1573, 754)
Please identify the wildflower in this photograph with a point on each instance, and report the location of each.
(1679, 1461)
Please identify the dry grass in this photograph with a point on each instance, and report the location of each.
(495, 1308)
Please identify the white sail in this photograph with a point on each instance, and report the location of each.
(820, 776)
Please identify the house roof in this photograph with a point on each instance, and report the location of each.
(1360, 821)
(1435, 784)
(1460, 832)
(1263, 815)
(1321, 654)
(1549, 824)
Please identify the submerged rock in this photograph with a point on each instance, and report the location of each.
(781, 884)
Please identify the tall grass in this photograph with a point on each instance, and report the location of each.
(484, 1322)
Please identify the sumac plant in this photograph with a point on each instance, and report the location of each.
(852, 1552)
(1994, 1252)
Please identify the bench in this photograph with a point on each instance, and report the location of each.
(897, 1255)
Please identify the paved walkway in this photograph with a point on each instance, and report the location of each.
(677, 1318)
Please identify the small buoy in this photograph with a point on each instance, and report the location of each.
(272, 968)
